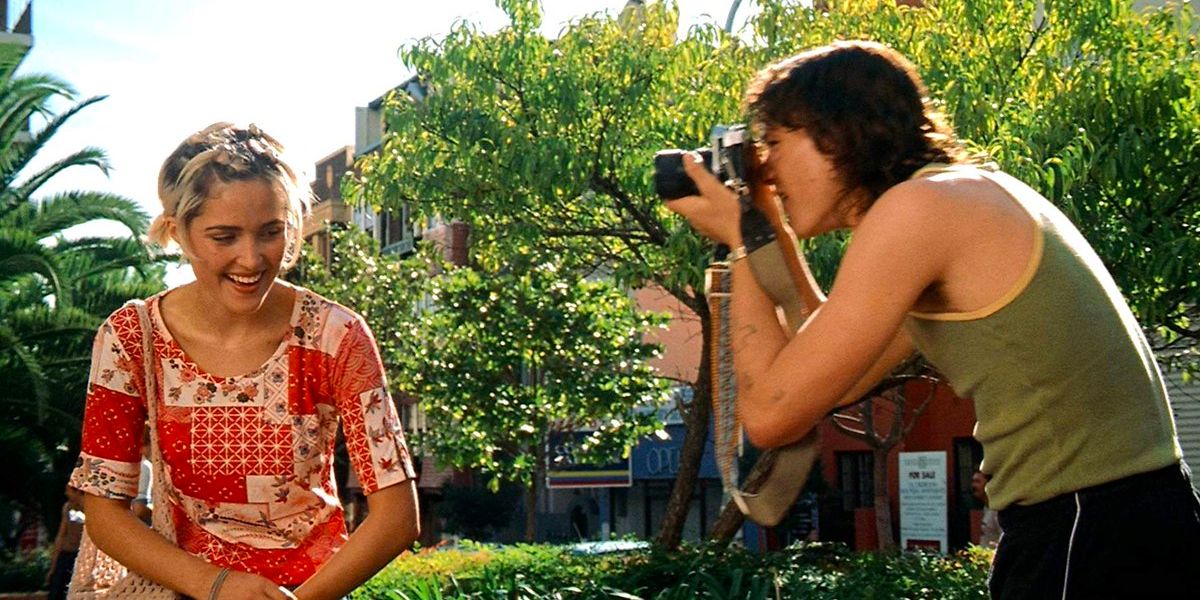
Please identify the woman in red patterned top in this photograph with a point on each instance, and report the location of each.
(253, 375)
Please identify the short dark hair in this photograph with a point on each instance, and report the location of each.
(864, 105)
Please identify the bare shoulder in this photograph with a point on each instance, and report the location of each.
(915, 212)
(925, 198)
(953, 206)
(913, 231)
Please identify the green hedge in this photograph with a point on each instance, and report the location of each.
(812, 570)
(21, 572)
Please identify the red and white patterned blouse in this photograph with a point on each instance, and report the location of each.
(251, 457)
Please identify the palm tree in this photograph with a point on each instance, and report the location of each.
(54, 289)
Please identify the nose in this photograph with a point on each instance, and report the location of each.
(250, 253)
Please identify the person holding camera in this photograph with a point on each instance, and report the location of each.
(996, 288)
(244, 381)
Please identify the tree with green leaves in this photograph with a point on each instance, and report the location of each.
(54, 290)
(544, 145)
(515, 361)
(504, 362)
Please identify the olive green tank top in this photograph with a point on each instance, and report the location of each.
(1066, 388)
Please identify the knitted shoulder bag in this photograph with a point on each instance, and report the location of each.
(97, 575)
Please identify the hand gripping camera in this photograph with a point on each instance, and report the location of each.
(726, 159)
(729, 159)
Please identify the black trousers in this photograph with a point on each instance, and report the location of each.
(1137, 537)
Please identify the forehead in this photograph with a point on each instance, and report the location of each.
(243, 201)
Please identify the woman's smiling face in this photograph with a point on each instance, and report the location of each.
(237, 242)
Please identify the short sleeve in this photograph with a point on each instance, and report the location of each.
(374, 437)
(110, 452)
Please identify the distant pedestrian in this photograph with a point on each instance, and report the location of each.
(989, 525)
(66, 545)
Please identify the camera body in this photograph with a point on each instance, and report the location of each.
(725, 158)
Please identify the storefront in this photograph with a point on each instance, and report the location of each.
(630, 496)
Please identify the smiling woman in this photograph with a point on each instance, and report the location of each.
(243, 382)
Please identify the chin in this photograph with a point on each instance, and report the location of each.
(801, 229)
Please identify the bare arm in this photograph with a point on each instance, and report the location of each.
(852, 341)
(786, 384)
(898, 350)
(115, 530)
(390, 528)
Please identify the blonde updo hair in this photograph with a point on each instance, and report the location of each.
(223, 153)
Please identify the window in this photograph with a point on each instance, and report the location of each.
(856, 473)
(412, 418)
(395, 229)
(394, 234)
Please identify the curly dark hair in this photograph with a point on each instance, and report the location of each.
(864, 105)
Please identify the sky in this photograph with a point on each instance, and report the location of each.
(296, 68)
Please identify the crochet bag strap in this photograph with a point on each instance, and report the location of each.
(162, 492)
(97, 575)
(774, 258)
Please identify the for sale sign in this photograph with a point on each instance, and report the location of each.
(923, 501)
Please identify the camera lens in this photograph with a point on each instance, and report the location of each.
(670, 180)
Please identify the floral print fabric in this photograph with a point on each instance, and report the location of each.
(250, 458)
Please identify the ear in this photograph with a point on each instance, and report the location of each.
(172, 228)
(175, 232)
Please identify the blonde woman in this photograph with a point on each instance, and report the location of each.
(253, 376)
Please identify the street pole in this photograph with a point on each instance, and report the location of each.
(732, 11)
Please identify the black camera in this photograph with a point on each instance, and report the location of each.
(726, 159)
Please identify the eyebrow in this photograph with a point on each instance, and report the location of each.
(231, 228)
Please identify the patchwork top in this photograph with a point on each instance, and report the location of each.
(250, 458)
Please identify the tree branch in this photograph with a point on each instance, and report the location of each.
(649, 225)
(599, 232)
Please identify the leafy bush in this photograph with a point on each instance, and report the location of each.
(811, 570)
(21, 572)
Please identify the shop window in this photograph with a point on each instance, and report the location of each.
(856, 479)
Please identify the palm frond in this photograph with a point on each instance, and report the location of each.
(36, 324)
(21, 154)
(67, 209)
(90, 156)
(27, 95)
(22, 254)
(25, 359)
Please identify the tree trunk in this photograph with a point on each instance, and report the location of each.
(731, 518)
(531, 494)
(883, 504)
(695, 419)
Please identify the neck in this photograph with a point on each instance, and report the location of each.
(195, 303)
